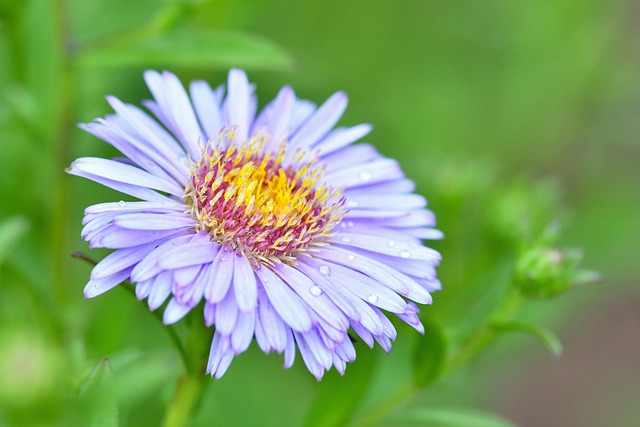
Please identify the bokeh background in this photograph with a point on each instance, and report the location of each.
(499, 110)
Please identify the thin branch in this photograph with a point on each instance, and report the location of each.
(84, 257)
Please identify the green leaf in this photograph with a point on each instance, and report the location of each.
(11, 231)
(430, 354)
(453, 417)
(338, 397)
(98, 394)
(548, 338)
(101, 374)
(192, 47)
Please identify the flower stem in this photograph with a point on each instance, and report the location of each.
(188, 392)
(191, 383)
(64, 124)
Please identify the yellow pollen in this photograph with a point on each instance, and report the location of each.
(244, 197)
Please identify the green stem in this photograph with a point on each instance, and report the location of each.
(187, 395)
(66, 100)
(191, 383)
(509, 306)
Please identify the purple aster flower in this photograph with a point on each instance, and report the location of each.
(285, 230)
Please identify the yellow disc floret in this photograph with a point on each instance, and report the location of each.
(248, 200)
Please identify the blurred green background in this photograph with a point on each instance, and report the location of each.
(509, 115)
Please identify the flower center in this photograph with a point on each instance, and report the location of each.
(248, 201)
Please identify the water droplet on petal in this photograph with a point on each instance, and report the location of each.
(346, 239)
(372, 298)
(121, 203)
(405, 254)
(391, 243)
(351, 257)
(364, 176)
(316, 291)
(324, 269)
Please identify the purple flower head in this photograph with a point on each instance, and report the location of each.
(287, 231)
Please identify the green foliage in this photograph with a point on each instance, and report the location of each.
(548, 338)
(191, 48)
(451, 417)
(98, 390)
(480, 103)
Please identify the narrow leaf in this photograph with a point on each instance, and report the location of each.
(453, 417)
(547, 337)
(192, 47)
(97, 392)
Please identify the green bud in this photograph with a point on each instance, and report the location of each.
(544, 271)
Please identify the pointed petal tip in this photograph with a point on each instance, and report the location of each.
(237, 72)
(288, 92)
(87, 294)
(92, 290)
(237, 76)
(366, 129)
(150, 74)
(341, 96)
(174, 312)
(168, 74)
